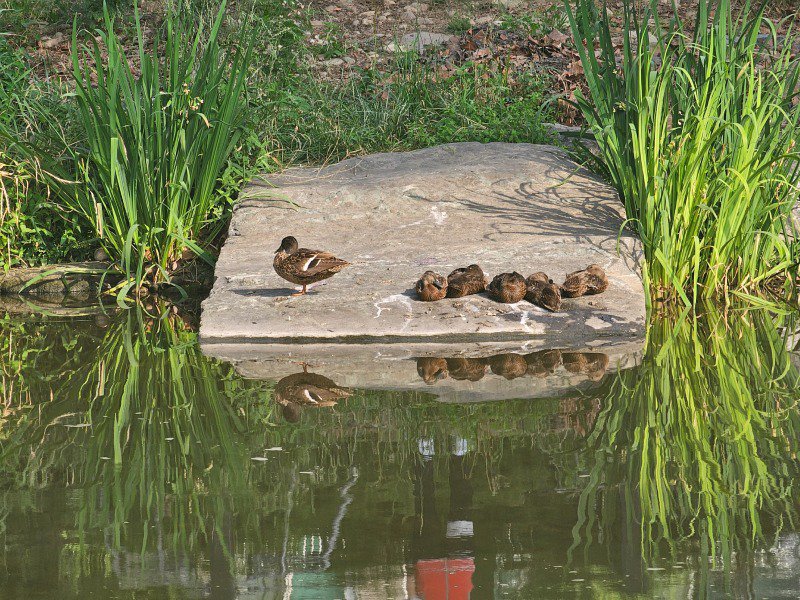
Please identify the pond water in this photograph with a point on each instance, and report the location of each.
(131, 466)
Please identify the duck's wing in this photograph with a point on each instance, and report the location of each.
(312, 262)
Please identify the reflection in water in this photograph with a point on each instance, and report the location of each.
(131, 466)
(294, 392)
(540, 364)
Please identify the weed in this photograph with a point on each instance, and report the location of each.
(698, 135)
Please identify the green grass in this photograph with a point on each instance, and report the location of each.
(697, 134)
(33, 228)
(410, 106)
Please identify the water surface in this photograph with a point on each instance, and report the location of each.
(131, 466)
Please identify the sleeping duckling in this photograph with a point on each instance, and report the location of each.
(508, 288)
(543, 292)
(303, 266)
(465, 281)
(591, 280)
(431, 286)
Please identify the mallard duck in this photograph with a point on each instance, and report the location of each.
(466, 281)
(307, 389)
(543, 292)
(471, 369)
(543, 363)
(303, 266)
(509, 365)
(431, 286)
(591, 280)
(431, 369)
(507, 287)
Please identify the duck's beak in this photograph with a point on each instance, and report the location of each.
(278, 250)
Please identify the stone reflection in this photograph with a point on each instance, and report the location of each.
(542, 364)
(301, 390)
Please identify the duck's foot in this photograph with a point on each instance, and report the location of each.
(301, 292)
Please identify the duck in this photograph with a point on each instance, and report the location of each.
(466, 281)
(431, 369)
(431, 286)
(303, 266)
(307, 389)
(508, 365)
(543, 292)
(587, 282)
(508, 288)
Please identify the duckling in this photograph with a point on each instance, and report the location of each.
(543, 363)
(509, 365)
(471, 369)
(431, 369)
(591, 280)
(308, 389)
(507, 287)
(303, 266)
(543, 292)
(465, 281)
(431, 286)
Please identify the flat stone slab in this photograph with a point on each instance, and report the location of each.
(504, 206)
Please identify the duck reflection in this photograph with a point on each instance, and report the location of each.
(294, 392)
(540, 364)
(471, 369)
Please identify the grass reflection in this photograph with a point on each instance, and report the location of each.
(698, 445)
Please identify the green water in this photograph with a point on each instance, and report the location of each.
(133, 467)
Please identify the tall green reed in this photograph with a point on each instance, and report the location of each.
(156, 133)
(696, 131)
(157, 140)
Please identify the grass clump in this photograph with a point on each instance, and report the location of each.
(33, 229)
(157, 133)
(697, 134)
(410, 106)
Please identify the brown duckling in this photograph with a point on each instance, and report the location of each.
(431, 286)
(466, 281)
(591, 280)
(303, 266)
(308, 389)
(508, 288)
(471, 369)
(509, 365)
(543, 363)
(431, 369)
(543, 292)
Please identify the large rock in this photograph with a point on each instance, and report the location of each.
(504, 206)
